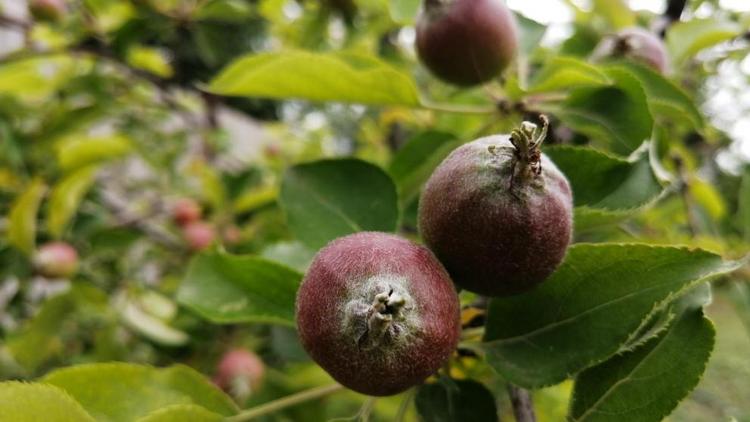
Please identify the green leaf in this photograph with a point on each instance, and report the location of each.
(415, 161)
(455, 400)
(22, 402)
(616, 12)
(36, 78)
(182, 413)
(149, 59)
(294, 255)
(743, 207)
(121, 392)
(606, 189)
(616, 117)
(596, 301)
(664, 97)
(566, 73)
(404, 11)
(22, 217)
(531, 35)
(685, 39)
(340, 77)
(151, 326)
(327, 199)
(228, 289)
(40, 338)
(646, 384)
(77, 151)
(604, 181)
(224, 10)
(66, 196)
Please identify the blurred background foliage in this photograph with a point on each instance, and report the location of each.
(110, 114)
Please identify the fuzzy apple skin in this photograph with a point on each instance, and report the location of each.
(494, 241)
(466, 42)
(47, 10)
(186, 211)
(645, 47)
(378, 313)
(240, 372)
(56, 260)
(199, 235)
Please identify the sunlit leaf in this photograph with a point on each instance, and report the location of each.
(182, 413)
(36, 78)
(685, 39)
(151, 60)
(66, 196)
(121, 392)
(341, 77)
(404, 11)
(22, 402)
(567, 73)
(22, 217)
(616, 12)
(77, 151)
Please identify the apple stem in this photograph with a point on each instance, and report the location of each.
(528, 159)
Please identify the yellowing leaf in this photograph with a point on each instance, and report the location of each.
(22, 218)
(77, 151)
(65, 198)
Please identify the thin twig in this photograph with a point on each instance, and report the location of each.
(6, 20)
(455, 108)
(684, 189)
(523, 406)
(283, 403)
(125, 218)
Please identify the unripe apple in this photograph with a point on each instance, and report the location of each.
(498, 213)
(47, 10)
(199, 235)
(56, 260)
(185, 211)
(466, 42)
(240, 373)
(378, 313)
(638, 45)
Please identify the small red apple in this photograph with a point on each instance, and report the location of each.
(240, 373)
(56, 260)
(199, 235)
(185, 211)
